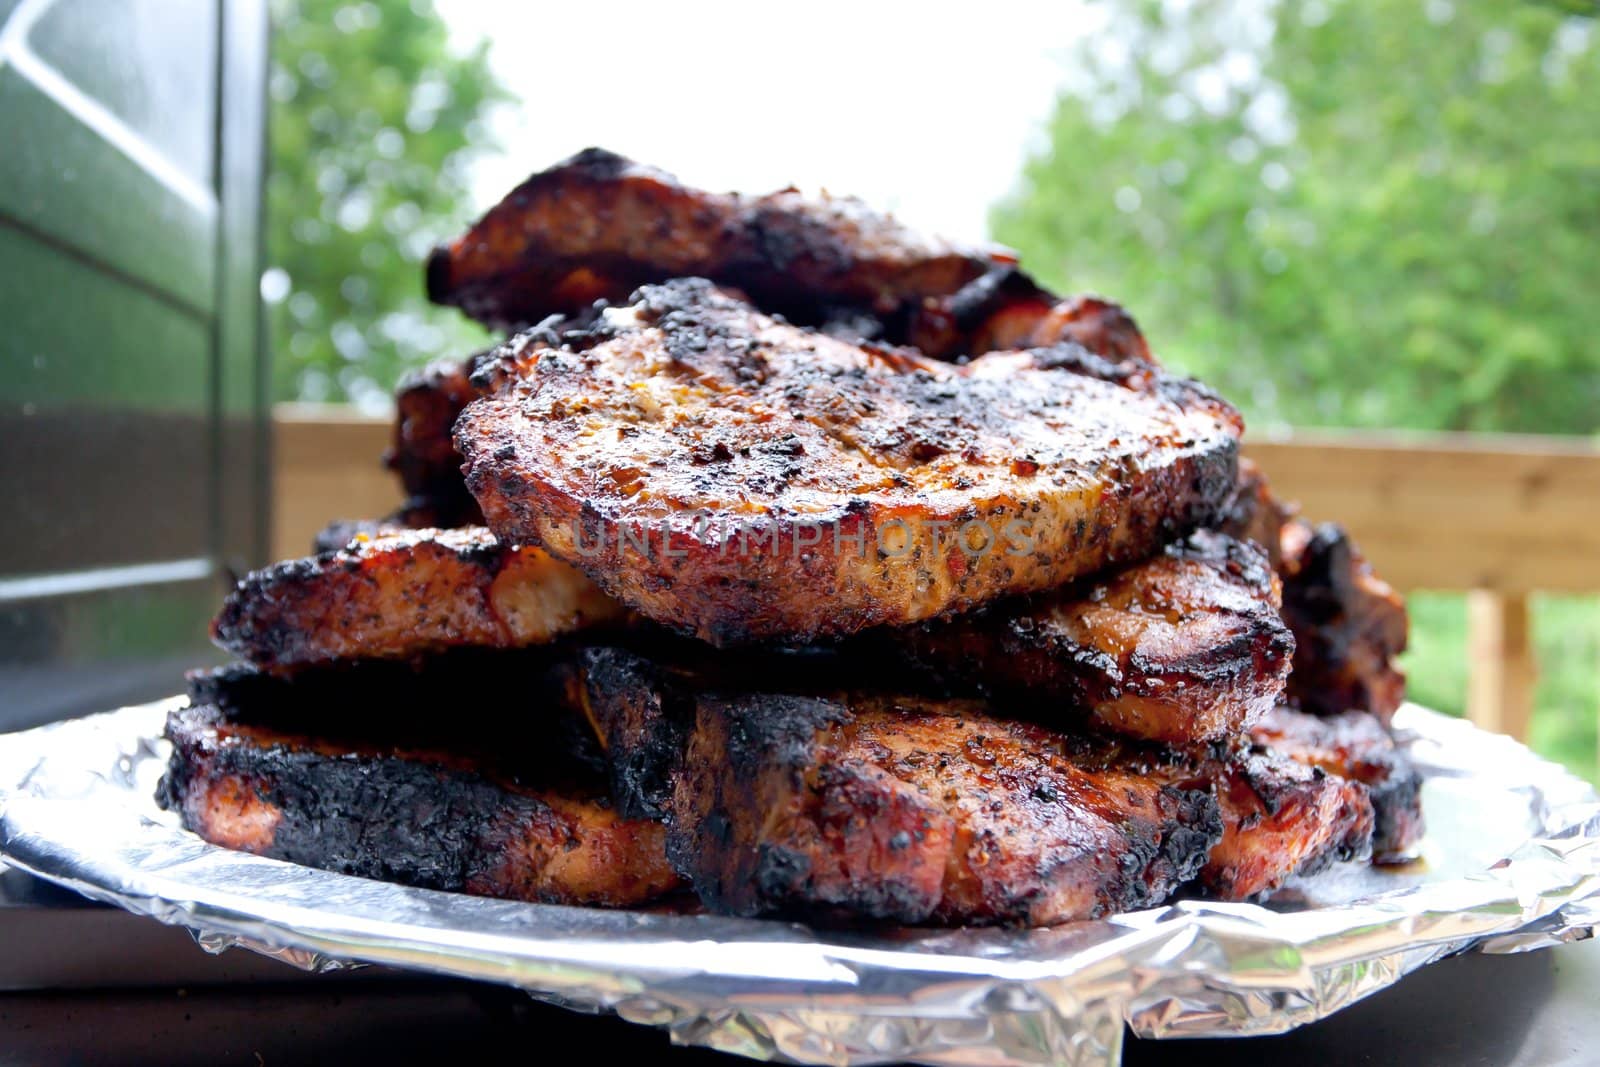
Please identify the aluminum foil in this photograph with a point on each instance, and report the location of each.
(1511, 862)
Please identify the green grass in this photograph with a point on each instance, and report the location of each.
(1566, 633)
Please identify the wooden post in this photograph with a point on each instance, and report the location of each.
(327, 465)
(1500, 662)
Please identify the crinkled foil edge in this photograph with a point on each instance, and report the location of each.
(76, 809)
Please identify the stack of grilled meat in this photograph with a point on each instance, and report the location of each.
(787, 558)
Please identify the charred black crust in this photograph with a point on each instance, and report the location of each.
(531, 731)
(1396, 807)
(771, 730)
(1324, 579)
(1155, 856)
(644, 719)
(1195, 827)
(759, 746)
(411, 820)
(437, 276)
(989, 293)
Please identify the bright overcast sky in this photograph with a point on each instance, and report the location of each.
(923, 113)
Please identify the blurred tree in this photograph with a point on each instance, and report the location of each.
(1383, 213)
(374, 124)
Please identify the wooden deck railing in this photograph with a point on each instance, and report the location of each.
(1496, 516)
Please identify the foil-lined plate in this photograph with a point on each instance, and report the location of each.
(1511, 862)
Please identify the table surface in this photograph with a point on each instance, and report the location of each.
(97, 985)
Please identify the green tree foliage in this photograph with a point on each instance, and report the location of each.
(374, 125)
(1384, 213)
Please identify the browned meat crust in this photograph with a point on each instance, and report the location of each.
(422, 453)
(1103, 327)
(1349, 624)
(402, 595)
(1357, 746)
(741, 479)
(1280, 818)
(1187, 647)
(597, 226)
(428, 402)
(425, 818)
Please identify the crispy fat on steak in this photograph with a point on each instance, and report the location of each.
(1355, 745)
(597, 226)
(1183, 648)
(433, 819)
(734, 477)
(406, 594)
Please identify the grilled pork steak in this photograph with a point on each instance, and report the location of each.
(1349, 625)
(435, 819)
(920, 811)
(1186, 647)
(914, 810)
(806, 803)
(422, 453)
(740, 479)
(1280, 818)
(1252, 513)
(597, 226)
(402, 595)
(429, 401)
(1357, 746)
